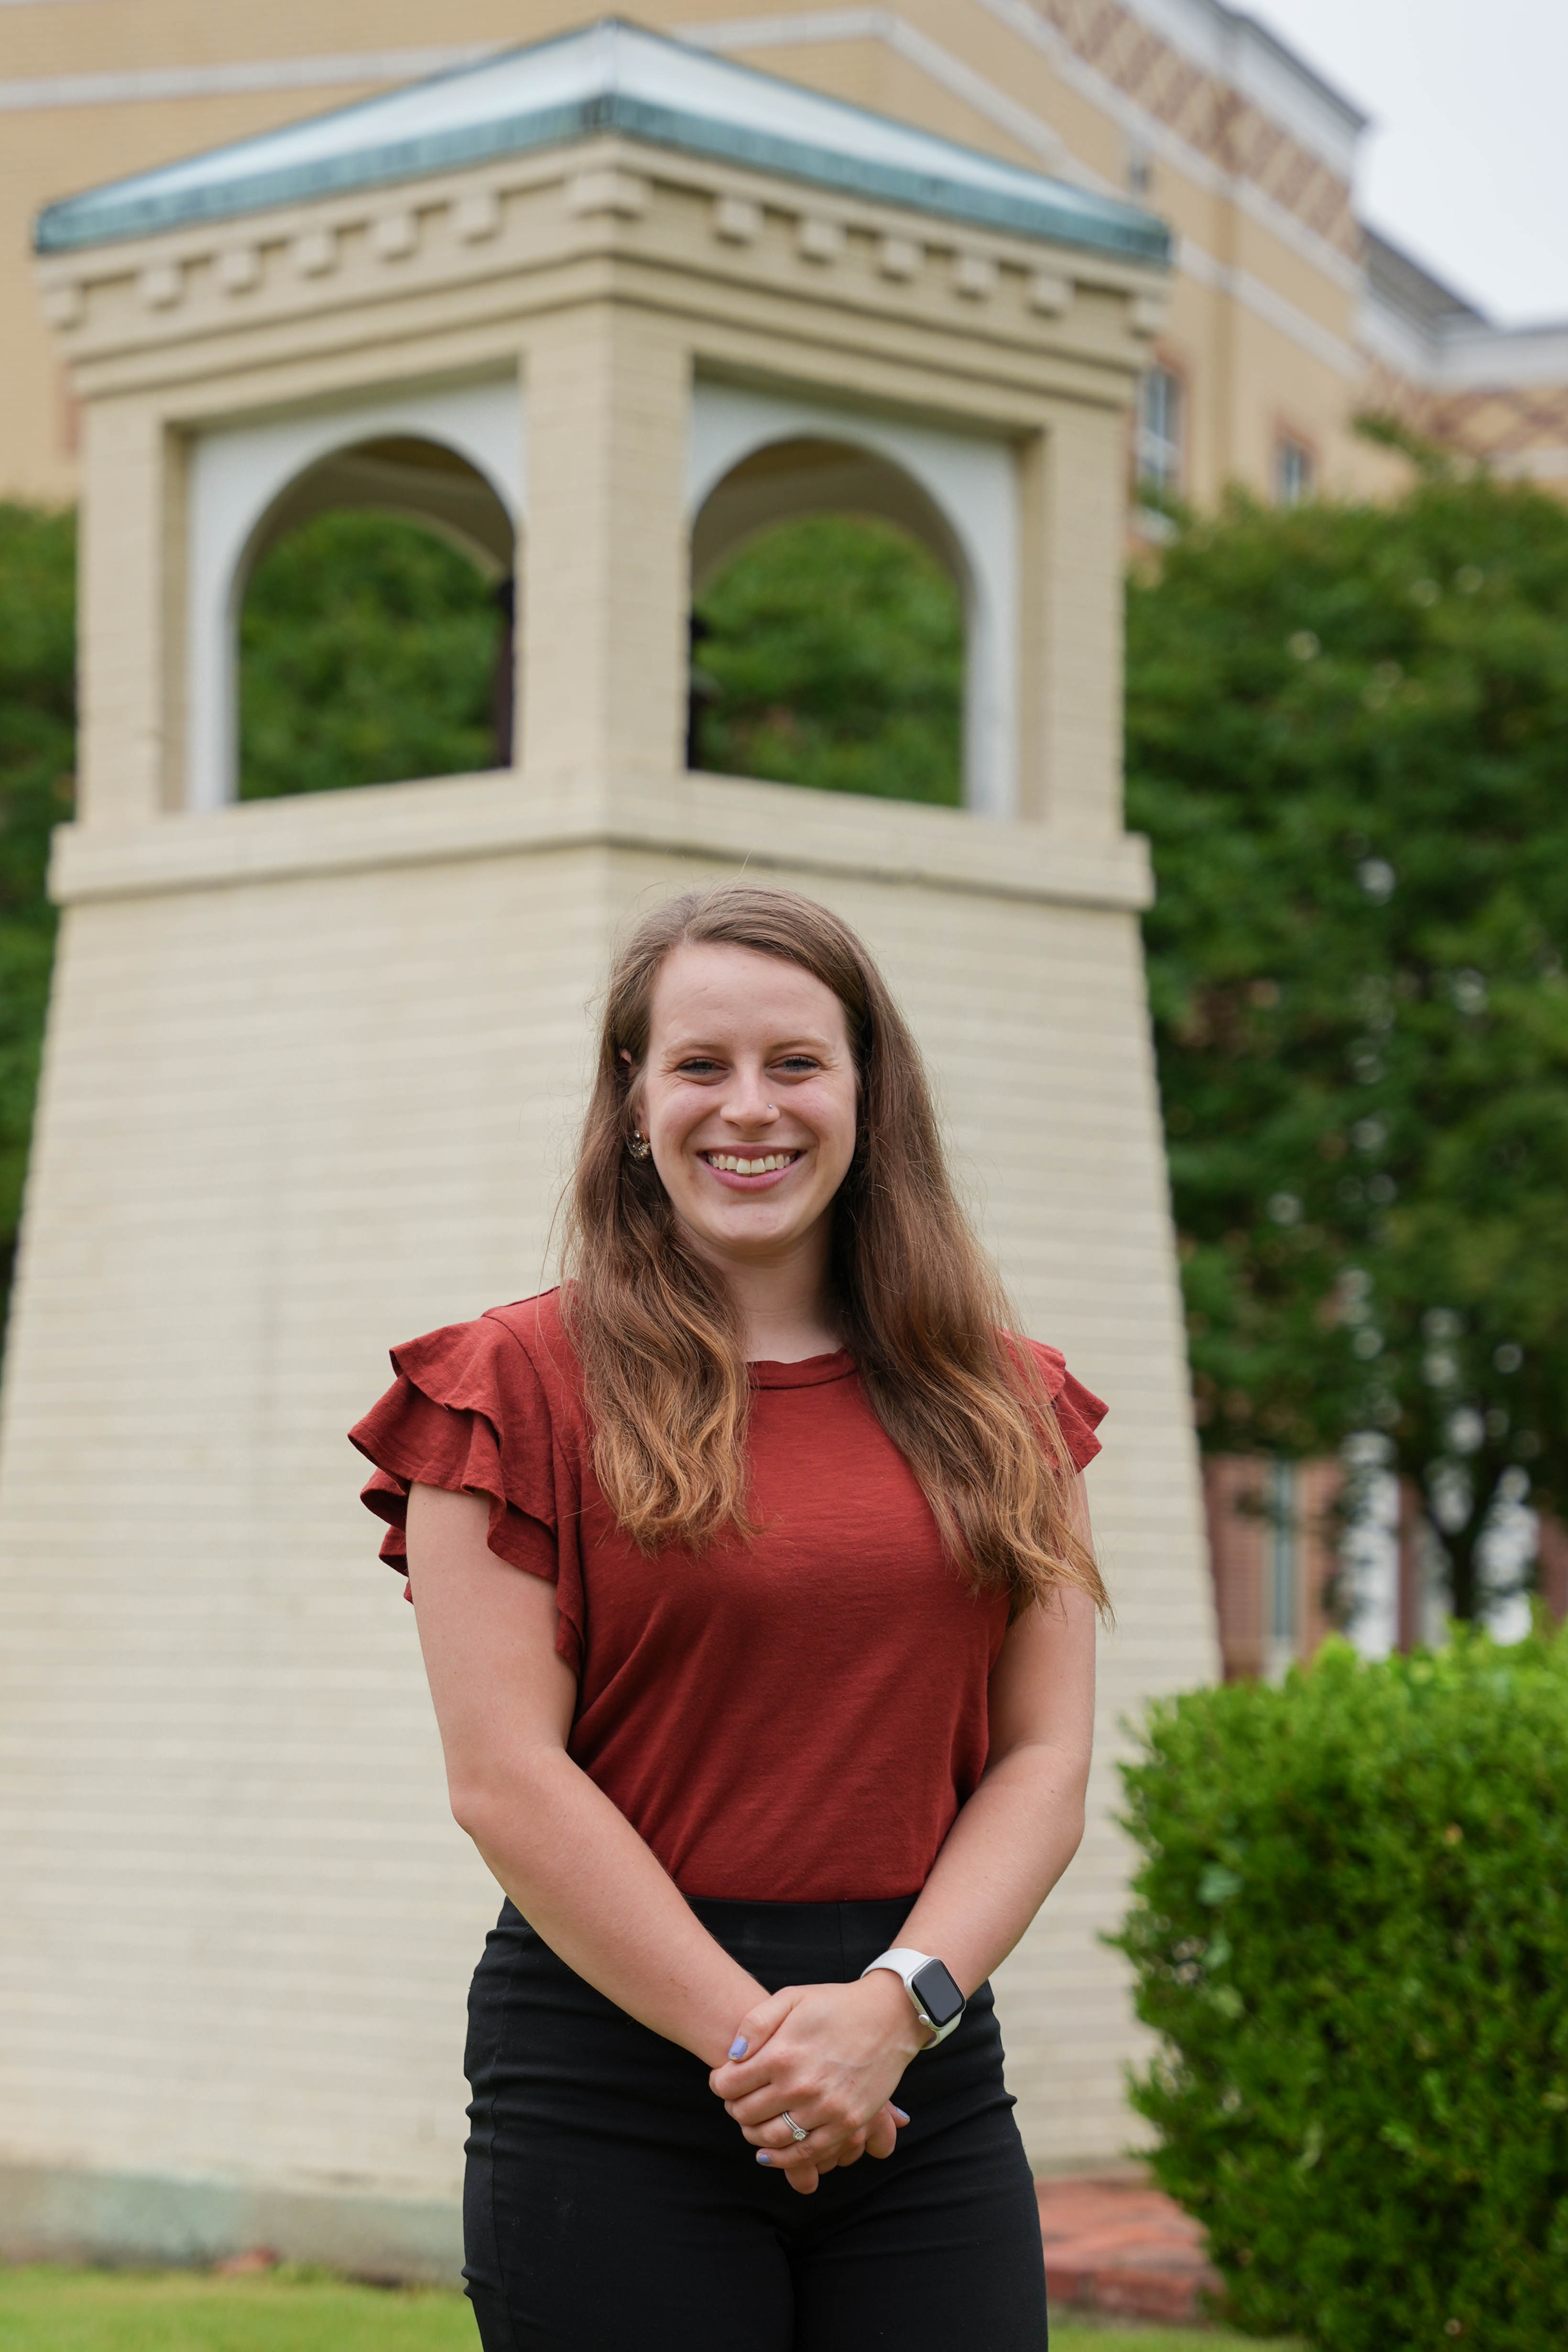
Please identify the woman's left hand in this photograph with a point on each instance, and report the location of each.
(832, 2054)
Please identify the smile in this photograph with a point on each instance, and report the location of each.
(730, 1163)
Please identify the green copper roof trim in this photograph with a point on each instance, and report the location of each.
(998, 197)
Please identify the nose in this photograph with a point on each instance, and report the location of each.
(746, 1104)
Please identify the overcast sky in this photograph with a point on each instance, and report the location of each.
(1466, 161)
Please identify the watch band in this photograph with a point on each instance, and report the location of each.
(936, 1985)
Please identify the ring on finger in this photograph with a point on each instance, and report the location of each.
(795, 2131)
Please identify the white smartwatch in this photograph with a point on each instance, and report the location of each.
(929, 1985)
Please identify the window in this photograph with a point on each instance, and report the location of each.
(1158, 455)
(1282, 1571)
(1295, 471)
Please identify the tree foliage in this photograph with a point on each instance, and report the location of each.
(37, 756)
(1350, 1929)
(1346, 738)
(367, 654)
(830, 653)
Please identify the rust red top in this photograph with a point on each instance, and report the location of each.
(842, 1639)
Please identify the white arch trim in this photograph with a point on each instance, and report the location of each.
(971, 479)
(236, 474)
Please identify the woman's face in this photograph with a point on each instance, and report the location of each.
(748, 1097)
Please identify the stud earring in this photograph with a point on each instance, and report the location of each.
(638, 1145)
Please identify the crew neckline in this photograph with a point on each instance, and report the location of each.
(808, 1373)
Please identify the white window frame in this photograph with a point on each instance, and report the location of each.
(1159, 449)
(1295, 470)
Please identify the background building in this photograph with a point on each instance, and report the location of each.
(1288, 318)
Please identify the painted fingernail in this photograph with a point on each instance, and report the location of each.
(738, 2046)
(763, 2155)
(899, 2113)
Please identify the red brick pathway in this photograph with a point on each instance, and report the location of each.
(1120, 2247)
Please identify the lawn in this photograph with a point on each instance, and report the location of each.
(184, 2311)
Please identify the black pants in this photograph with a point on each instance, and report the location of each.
(611, 2204)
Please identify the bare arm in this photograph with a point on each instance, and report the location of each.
(1003, 1853)
(569, 1859)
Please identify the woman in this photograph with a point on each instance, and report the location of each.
(780, 1738)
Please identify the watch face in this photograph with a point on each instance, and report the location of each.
(938, 1996)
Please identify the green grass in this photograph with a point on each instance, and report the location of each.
(186, 2311)
(1079, 2335)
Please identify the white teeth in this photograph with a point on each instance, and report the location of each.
(734, 1166)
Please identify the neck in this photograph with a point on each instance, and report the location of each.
(785, 1303)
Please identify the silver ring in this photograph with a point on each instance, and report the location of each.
(786, 2117)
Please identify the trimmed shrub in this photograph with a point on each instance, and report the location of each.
(1350, 1929)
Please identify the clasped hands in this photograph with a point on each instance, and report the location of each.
(831, 2054)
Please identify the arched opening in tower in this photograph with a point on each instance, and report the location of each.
(375, 637)
(828, 627)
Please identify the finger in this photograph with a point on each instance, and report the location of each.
(764, 2018)
(762, 2105)
(843, 2144)
(882, 2136)
(774, 2134)
(738, 2077)
(825, 2148)
(820, 2157)
(796, 2164)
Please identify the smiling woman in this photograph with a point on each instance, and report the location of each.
(780, 1739)
(750, 1180)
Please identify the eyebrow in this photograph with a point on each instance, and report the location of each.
(699, 1044)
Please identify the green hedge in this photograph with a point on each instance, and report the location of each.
(1350, 1929)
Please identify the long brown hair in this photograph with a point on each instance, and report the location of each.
(918, 1303)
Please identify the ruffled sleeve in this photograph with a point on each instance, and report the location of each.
(467, 1413)
(1079, 1411)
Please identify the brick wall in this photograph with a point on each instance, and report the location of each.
(1273, 1536)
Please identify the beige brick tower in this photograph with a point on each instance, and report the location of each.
(313, 1064)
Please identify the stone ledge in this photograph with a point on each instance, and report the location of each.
(58, 2214)
(1114, 2246)
(453, 818)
